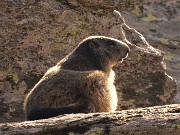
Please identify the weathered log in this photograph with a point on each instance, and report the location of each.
(161, 120)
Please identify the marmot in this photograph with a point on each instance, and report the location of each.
(82, 82)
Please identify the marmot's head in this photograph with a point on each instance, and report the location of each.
(106, 51)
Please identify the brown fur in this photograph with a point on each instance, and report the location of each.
(81, 82)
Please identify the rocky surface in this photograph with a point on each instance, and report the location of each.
(159, 120)
(159, 21)
(34, 35)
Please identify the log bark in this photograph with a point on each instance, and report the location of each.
(161, 120)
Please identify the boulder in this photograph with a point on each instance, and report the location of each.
(141, 79)
(34, 35)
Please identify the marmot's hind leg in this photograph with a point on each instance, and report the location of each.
(44, 113)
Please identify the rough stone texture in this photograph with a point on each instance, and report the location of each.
(159, 21)
(34, 35)
(159, 120)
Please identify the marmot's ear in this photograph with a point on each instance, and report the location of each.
(111, 43)
(94, 44)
